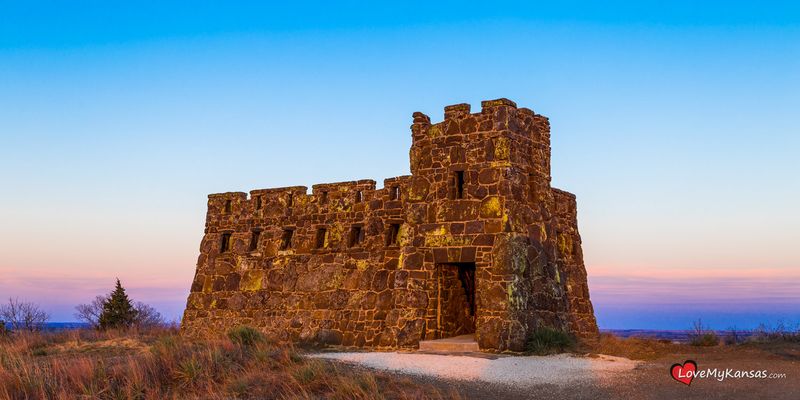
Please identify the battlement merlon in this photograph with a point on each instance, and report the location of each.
(488, 105)
(456, 110)
(277, 191)
(227, 196)
(397, 180)
(362, 184)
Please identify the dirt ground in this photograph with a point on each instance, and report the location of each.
(651, 379)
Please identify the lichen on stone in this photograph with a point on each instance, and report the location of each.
(252, 280)
(491, 207)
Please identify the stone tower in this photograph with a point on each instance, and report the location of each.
(474, 241)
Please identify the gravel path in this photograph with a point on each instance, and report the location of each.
(529, 370)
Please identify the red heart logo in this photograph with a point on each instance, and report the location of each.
(684, 373)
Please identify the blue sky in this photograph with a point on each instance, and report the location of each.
(675, 124)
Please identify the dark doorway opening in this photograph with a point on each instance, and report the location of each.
(456, 299)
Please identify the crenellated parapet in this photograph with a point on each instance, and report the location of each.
(499, 124)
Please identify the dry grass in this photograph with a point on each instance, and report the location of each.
(632, 348)
(160, 364)
(778, 340)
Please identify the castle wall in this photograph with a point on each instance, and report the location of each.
(570, 260)
(336, 293)
(479, 196)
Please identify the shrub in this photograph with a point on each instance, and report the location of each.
(23, 315)
(733, 337)
(147, 317)
(245, 336)
(702, 336)
(90, 313)
(706, 339)
(774, 334)
(545, 341)
(38, 351)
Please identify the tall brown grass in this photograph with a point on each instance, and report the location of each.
(161, 364)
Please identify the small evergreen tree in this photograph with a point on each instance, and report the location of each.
(118, 312)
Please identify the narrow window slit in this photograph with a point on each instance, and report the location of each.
(356, 236)
(254, 239)
(458, 185)
(320, 239)
(225, 245)
(392, 235)
(359, 196)
(228, 206)
(286, 239)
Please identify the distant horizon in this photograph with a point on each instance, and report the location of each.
(792, 327)
(674, 125)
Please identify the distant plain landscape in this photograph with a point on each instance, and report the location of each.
(677, 335)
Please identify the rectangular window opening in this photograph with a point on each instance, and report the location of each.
(254, 239)
(228, 206)
(392, 235)
(286, 239)
(320, 239)
(356, 236)
(359, 196)
(394, 193)
(290, 200)
(225, 245)
(458, 185)
(323, 197)
(258, 202)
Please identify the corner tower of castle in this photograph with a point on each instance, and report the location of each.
(474, 241)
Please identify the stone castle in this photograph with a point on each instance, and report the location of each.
(474, 241)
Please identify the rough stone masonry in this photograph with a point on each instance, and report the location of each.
(475, 240)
